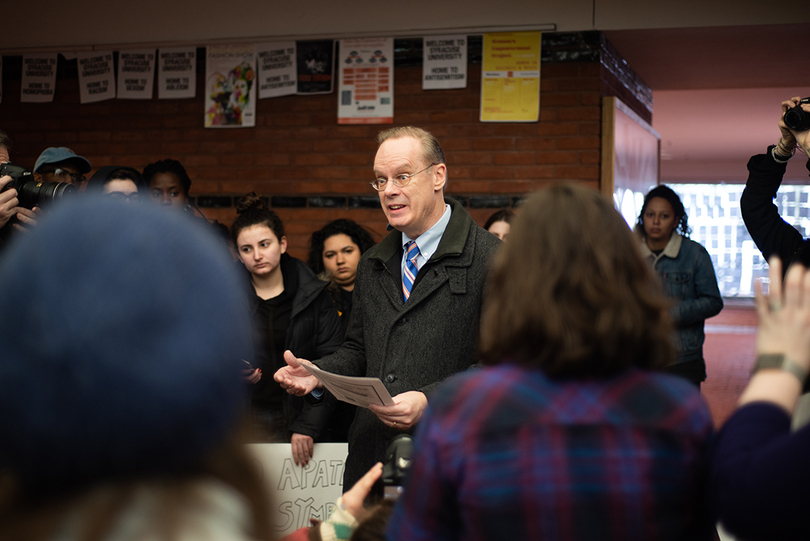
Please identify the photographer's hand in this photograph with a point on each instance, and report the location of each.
(27, 218)
(8, 201)
(791, 138)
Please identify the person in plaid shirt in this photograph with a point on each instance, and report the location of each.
(571, 432)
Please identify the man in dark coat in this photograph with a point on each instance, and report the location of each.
(415, 319)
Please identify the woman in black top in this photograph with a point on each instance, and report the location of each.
(292, 310)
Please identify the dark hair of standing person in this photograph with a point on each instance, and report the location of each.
(168, 166)
(503, 215)
(342, 226)
(570, 293)
(666, 193)
(253, 210)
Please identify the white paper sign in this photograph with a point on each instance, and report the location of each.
(230, 86)
(136, 74)
(444, 62)
(38, 78)
(96, 78)
(277, 69)
(299, 493)
(366, 91)
(177, 73)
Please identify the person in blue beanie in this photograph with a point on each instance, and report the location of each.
(123, 332)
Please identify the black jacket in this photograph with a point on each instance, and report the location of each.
(314, 331)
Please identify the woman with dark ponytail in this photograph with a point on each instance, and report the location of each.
(292, 310)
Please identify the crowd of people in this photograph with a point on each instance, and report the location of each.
(548, 365)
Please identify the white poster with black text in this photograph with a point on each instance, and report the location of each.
(38, 78)
(96, 77)
(136, 74)
(177, 73)
(277, 69)
(444, 62)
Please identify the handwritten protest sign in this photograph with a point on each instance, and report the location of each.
(38, 78)
(136, 74)
(96, 78)
(277, 69)
(177, 73)
(299, 493)
(444, 62)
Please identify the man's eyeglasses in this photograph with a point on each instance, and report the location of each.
(134, 197)
(403, 179)
(76, 178)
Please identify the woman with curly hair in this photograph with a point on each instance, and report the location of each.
(334, 252)
(687, 274)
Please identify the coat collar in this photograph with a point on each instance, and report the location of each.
(671, 250)
(452, 243)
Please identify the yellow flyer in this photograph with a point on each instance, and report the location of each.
(510, 77)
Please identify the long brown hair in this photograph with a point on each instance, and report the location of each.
(570, 294)
(24, 519)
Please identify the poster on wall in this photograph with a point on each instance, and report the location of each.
(299, 493)
(230, 86)
(96, 77)
(277, 69)
(510, 77)
(136, 74)
(444, 62)
(315, 62)
(38, 78)
(177, 73)
(366, 84)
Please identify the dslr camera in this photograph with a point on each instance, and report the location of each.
(796, 118)
(31, 192)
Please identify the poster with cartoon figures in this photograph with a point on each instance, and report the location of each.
(366, 90)
(230, 86)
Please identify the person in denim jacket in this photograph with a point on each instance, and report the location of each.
(686, 273)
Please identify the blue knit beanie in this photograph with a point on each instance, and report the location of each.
(121, 333)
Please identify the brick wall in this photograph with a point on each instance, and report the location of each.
(314, 170)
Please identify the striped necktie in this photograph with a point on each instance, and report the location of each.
(411, 268)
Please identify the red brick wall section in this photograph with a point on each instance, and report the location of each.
(298, 149)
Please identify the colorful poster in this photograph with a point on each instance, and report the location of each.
(277, 69)
(230, 89)
(366, 91)
(510, 77)
(96, 77)
(38, 78)
(299, 493)
(177, 73)
(315, 61)
(136, 74)
(444, 62)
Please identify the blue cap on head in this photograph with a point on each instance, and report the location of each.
(122, 330)
(60, 154)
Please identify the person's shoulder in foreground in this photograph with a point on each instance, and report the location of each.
(577, 454)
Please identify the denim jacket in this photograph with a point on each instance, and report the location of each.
(688, 277)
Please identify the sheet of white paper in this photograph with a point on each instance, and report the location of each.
(357, 391)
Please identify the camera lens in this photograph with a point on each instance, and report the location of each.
(797, 119)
